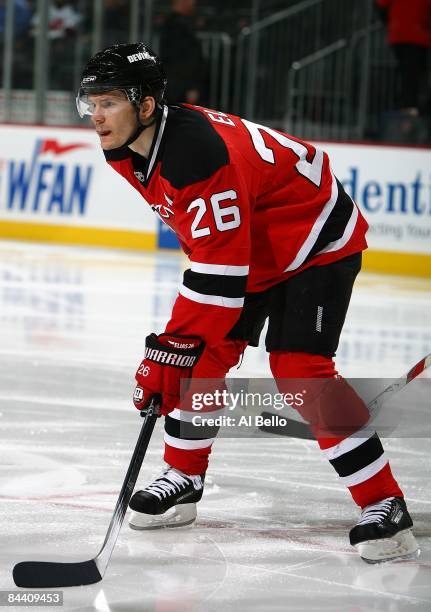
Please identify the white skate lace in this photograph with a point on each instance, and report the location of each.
(172, 481)
(376, 513)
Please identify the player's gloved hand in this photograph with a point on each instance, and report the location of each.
(168, 359)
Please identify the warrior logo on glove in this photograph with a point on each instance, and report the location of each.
(168, 359)
(175, 359)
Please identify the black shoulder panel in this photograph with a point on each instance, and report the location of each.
(193, 150)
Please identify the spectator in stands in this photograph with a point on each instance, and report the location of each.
(182, 55)
(64, 19)
(409, 35)
(22, 16)
(21, 68)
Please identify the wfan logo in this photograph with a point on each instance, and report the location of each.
(46, 185)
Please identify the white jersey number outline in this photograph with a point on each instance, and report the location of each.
(311, 170)
(219, 213)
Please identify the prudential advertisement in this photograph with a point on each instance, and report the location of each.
(392, 187)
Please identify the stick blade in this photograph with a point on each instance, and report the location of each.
(43, 574)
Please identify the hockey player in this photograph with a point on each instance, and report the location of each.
(270, 233)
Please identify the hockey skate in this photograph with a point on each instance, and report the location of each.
(169, 501)
(384, 532)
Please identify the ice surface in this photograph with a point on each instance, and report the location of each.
(272, 531)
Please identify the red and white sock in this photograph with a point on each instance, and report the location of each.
(359, 460)
(189, 453)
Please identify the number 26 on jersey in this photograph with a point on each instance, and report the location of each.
(226, 216)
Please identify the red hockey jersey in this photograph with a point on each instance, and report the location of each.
(250, 205)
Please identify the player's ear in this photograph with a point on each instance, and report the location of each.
(147, 108)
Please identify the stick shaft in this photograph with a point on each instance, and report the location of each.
(122, 504)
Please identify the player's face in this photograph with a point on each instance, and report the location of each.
(114, 118)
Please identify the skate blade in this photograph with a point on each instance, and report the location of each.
(401, 546)
(178, 516)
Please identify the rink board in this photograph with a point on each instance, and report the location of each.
(392, 187)
(56, 187)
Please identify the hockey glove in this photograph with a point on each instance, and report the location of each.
(167, 360)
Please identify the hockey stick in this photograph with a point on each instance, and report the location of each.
(45, 574)
(299, 429)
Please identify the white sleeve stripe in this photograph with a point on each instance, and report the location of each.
(223, 270)
(312, 237)
(215, 300)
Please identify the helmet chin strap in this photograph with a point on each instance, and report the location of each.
(140, 128)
